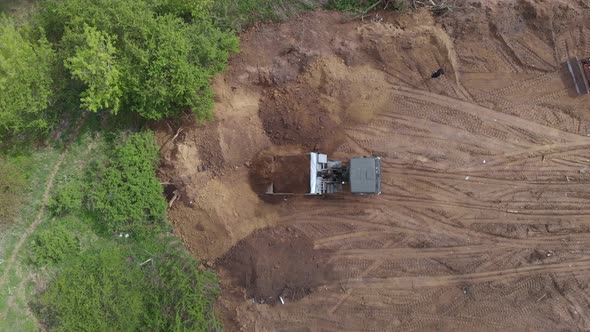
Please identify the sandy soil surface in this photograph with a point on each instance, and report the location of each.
(484, 220)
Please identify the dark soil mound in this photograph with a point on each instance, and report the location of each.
(278, 261)
(294, 115)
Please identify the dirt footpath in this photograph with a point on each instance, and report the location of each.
(484, 220)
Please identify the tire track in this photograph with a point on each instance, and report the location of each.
(348, 293)
(495, 95)
(482, 112)
(478, 277)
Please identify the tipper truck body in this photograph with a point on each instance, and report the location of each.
(314, 174)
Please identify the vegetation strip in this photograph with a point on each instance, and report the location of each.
(46, 197)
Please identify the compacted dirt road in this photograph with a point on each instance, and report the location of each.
(484, 220)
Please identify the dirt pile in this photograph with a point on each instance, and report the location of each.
(275, 262)
(314, 109)
(295, 115)
(304, 89)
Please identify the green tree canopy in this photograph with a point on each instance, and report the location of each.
(94, 64)
(25, 81)
(162, 56)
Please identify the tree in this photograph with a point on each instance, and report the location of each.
(25, 81)
(94, 64)
(166, 53)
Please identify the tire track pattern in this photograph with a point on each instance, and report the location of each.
(484, 220)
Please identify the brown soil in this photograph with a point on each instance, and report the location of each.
(275, 262)
(295, 116)
(288, 170)
(312, 110)
(483, 223)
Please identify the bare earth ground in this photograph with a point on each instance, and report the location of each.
(484, 220)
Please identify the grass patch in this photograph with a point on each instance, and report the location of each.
(241, 14)
(36, 164)
(364, 6)
(18, 9)
(96, 290)
(14, 312)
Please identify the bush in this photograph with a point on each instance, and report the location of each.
(104, 289)
(68, 198)
(99, 290)
(52, 245)
(26, 68)
(189, 10)
(179, 297)
(126, 195)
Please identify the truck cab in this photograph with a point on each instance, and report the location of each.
(365, 176)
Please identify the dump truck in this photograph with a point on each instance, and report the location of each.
(314, 174)
(580, 72)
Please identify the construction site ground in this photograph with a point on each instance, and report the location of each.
(484, 219)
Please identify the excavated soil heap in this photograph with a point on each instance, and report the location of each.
(313, 110)
(275, 262)
(294, 115)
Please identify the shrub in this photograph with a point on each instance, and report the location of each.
(52, 245)
(99, 290)
(126, 195)
(68, 198)
(179, 297)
